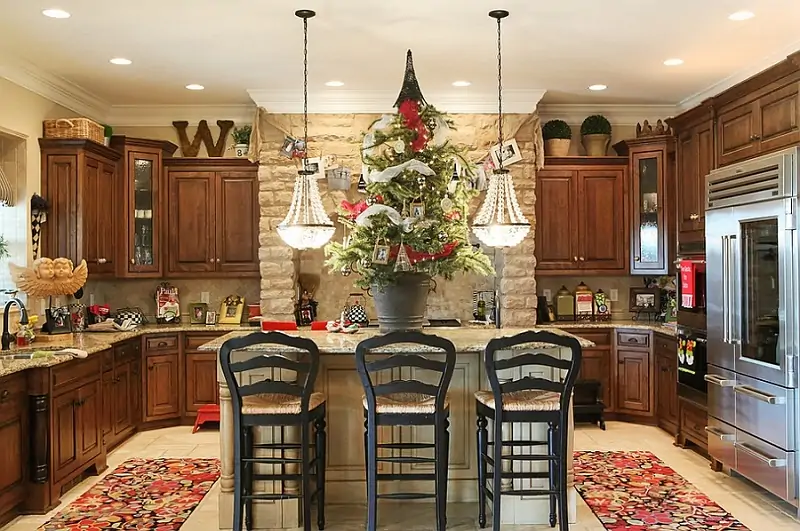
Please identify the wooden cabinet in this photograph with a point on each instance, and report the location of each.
(201, 387)
(162, 378)
(596, 363)
(652, 222)
(666, 383)
(140, 196)
(634, 389)
(15, 439)
(79, 182)
(580, 215)
(213, 218)
(122, 392)
(692, 426)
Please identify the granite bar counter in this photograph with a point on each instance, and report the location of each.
(345, 470)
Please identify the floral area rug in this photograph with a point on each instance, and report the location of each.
(141, 494)
(636, 491)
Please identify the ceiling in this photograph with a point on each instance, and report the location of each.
(235, 46)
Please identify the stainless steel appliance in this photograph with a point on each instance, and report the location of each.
(753, 320)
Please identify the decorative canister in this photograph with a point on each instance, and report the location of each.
(565, 305)
(584, 303)
(602, 306)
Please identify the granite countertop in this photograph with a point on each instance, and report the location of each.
(465, 339)
(94, 342)
(661, 328)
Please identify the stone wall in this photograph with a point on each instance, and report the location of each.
(340, 135)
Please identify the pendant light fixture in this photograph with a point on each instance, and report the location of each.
(307, 225)
(500, 222)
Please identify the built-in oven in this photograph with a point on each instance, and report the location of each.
(692, 363)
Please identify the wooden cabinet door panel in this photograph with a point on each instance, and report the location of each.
(162, 387)
(736, 133)
(123, 414)
(60, 188)
(688, 188)
(596, 365)
(65, 452)
(191, 222)
(109, 402)
(90, 421)
(633, 381)
(705, 163)
(135, 387)
(13, 459)
(237, 222)
(778, 115)
(556, 220)
(666, 390)
(103, 220)
(601, 195)
(201, 380)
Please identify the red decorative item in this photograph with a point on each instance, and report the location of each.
(419, 256)
(206, 413)
(453, 215)
(353, 209)
(409, 109)
(689, 270)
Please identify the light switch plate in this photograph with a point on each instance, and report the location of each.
(547, 294)
(204, 297)
(614, 294)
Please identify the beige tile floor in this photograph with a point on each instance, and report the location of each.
(756, 509)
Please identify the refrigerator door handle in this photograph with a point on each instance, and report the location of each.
(771, 462)
(718, 380)
(735, 298)
(725, 289)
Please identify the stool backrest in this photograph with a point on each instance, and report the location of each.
(523, 357)
(407, 357)
(305, 367)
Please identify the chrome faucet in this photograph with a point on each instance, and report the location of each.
(7, 338)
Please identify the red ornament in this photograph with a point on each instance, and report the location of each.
(409, 110)
(353, 209)
(419, 256)
(453, 215)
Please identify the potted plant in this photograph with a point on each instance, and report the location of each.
(596, 135)
(241, 140)
(107, 132)
(557, 136)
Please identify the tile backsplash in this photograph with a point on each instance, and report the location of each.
(122, 293)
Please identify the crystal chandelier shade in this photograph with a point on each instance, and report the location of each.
(306, 225)
(500, 222)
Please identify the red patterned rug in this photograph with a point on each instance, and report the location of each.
(636, 491)
(141, 494)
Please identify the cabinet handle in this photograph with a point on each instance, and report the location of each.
(574, 258)
(162, 343)
(4, 395)
(694, 217)
(101, 260)
(582, 259)
(637, 259)
(151, 367)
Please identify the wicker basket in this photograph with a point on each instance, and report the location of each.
(74, 128)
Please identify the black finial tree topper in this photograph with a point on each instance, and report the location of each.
(410, 89)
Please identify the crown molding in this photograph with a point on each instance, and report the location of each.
(746, 73)
(164, 115)
(619, 114)
(53, 87)
(375, 102)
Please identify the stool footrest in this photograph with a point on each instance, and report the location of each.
(277, 477)
(490, 460)
(407, 496)
(407, 459)
(520, 443)
(278, 446)
(271, 460)
(407, 446)
(271, 497)
(520, 475)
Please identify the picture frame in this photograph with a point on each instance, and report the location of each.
(317, 165)
(380, 254)
(197, 312)
(287, 149)
(211, 318)
(510, 153)
(645, 300)
(58, 321)
(418, 210)
(231, 310)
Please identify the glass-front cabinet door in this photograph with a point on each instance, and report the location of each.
(649, 234)
(143, 217)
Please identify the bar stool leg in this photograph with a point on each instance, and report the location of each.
(238, 505)
(497, 471)
(321, 441)
(561, 437)
(552, 471)
(372, 476)
(445, 470)
(305, 444)
(483, 448)
(440, 468)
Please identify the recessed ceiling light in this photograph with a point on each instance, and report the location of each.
(461, 83)
(55, 13)
(334, 84)
(741, 15)
(597, 87)
(673, 62)
(195, 86)
(120, 61)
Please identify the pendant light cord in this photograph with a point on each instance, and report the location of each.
(305, 90)
(499, 93)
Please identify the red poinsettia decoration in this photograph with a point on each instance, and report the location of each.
(409, 109)
(353, 209)
(420, 256)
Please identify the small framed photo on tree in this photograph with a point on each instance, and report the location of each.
(380, 254)
(418, 210)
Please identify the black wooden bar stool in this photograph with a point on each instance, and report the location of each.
(408, 402)
(526, 397)
(261, 397)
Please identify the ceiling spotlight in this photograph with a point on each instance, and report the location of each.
(195, 86)
(55, 13)
(120, 61)
(597, 87)
(673, 62)
(741, 15)
(461, 83)
(334, 84)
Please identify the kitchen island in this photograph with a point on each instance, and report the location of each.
(345, 473)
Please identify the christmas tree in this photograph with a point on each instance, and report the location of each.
(414, 218)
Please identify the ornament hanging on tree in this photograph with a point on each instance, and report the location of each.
(402, 263)
(446, 204)
(362, 184)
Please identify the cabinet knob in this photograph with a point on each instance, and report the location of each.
(574, 258)
(132, 261)
(694, 216)
(211, 260)
(151, 367)
(582, 259)
(637, 259)
(101, 260)
(217, 260)
(4, 395)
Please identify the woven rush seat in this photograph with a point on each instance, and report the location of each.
(405, 403)
(529, 400)
(278, 404)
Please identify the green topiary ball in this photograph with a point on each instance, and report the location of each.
(597, 124)
(556, 129)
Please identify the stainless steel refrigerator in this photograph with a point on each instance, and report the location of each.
(753, 320)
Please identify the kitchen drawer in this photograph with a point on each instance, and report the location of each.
(665, 346)
(766, 411)
(194, 340)
(766, 465)
(721, 437)
(165, 343)
(634, 339)
(128, 351)
(694, 421)
(721, 398)
(72, 373)
(13, 394)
